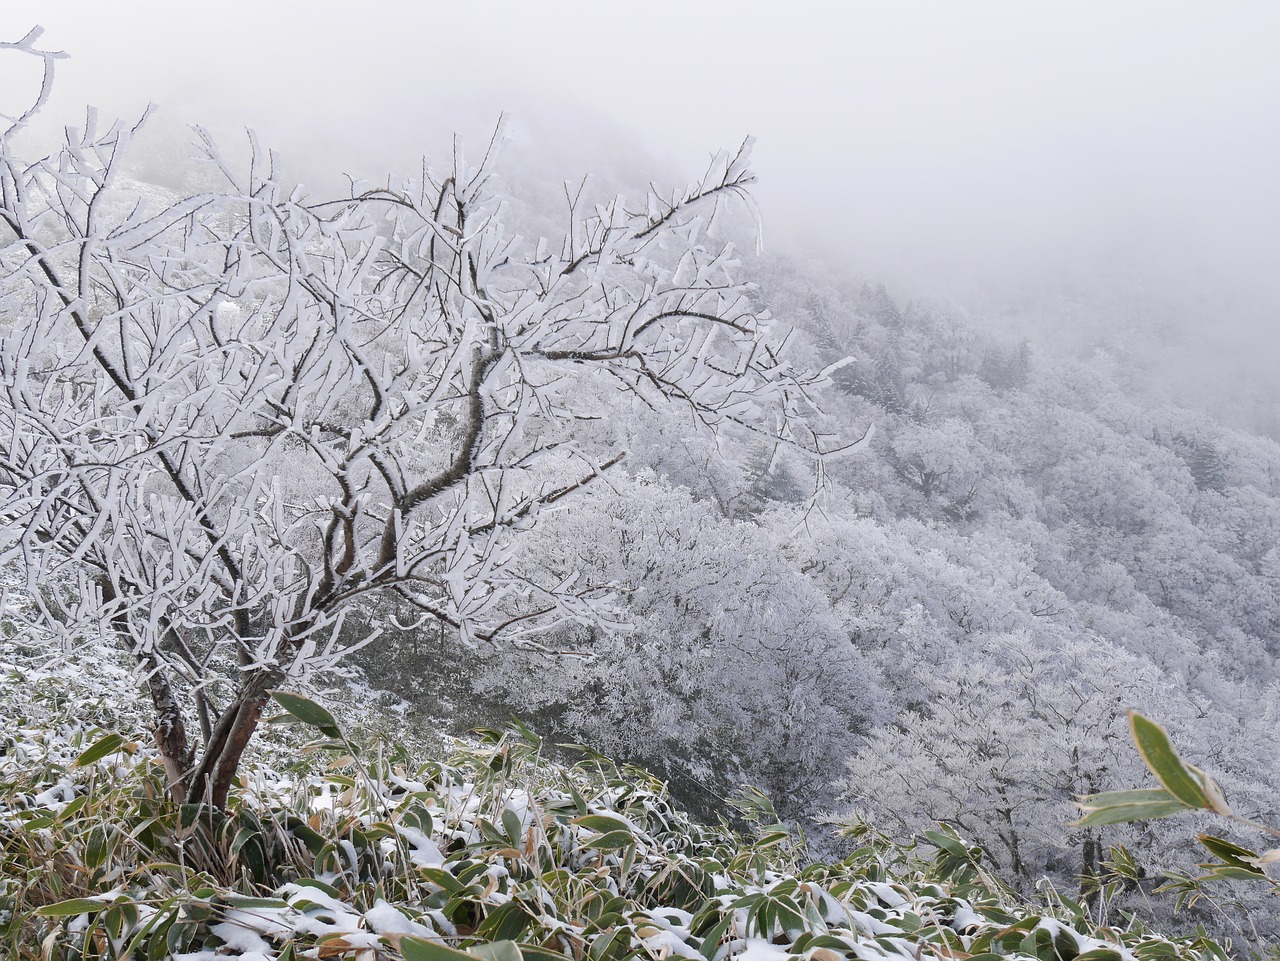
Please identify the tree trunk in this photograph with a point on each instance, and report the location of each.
(1091, 858)
(210, 781)
(170, 732)
(171, 735)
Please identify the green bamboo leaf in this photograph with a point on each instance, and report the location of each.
(1155, 949)
(829, 941)
(947, 842)
(416, 816)
(712, 937)
(1065, 944)
(308, 712)
(151, 932)
(96, 847)
(532, 952)
(1232, 854)
(474, 872)
(613, 945)
(579, 801)
(511, 825)
(602, 823)
(497, 951)
(1232, 872)
(419, 949)
(526, 732)
(326, 889)
(1123, 807)
(443, 879)
(1186, 783)
(103, 746)
(245, 903)
(628, 859)
(613, 841)
(243, 836)
(1143, 796)
(71, 908)
(505, 922)
(772, 839)
(1039, 944)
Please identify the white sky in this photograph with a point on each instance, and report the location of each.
(949, 136)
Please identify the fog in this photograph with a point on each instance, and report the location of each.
(995, 153)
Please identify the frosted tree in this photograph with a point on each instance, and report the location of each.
(1001, 747)
(232, 417)
(732, 667)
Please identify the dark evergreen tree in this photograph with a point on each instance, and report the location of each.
(891, 386)
(1207, 468)
(819, 326)
(993, 368)
(879, 305)
(1018, 369)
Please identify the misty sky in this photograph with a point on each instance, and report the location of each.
(996, 139)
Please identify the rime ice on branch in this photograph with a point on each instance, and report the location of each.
(231, 417)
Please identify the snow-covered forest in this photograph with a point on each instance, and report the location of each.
(872, 565)
(948, 626)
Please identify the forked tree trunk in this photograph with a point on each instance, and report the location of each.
(221, 760)
(210, 775)
(205, 777)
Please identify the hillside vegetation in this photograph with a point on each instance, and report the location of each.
(342, 845)
(890, 567)
(947, 626)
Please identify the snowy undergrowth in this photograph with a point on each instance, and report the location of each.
(343, 846)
